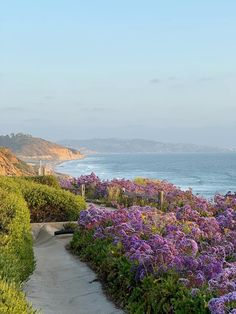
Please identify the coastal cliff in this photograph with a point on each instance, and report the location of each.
(30, 148)
(10, 165)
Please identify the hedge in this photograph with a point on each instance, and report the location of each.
(50, 204)
(46, 203)
(49, 180)
(16, 252)
(12, 300)
(16, 258)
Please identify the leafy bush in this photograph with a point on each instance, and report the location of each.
(12, 300)
(50, 204)
(49, 180)
(70, 226)
(10, 184)
(16, 252)
(46, 203)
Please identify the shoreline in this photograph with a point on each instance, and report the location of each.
(51, 165)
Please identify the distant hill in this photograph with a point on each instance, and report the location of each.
(114, 145)
(30, 148)
(10, 165)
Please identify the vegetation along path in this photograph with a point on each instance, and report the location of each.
(61, 283)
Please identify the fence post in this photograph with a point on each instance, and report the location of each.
(82, 190)
(40, 169)
(161, 199)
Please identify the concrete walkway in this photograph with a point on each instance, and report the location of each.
(61, 284)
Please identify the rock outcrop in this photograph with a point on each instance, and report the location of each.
(10, 165)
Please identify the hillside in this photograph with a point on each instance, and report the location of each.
(10, 165)
(30, 148)
(114, 145)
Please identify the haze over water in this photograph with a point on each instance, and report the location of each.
(205, 173)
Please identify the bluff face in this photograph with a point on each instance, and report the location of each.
(10, 165)
(30, 148)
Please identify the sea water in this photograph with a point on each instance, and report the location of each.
(205, 173)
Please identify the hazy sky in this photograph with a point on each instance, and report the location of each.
(163, 70)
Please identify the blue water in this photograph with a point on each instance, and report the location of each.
(206, 173)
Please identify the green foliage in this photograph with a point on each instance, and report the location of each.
(12, 300)
(50, 204)
(16, 251)
(70, 226)
(46, 203)
(114, 194)
(140, 181)
(20, 198)
(10, 184)
(49, 180)
(163, 294)
(144, 181)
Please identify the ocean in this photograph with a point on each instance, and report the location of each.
(205, 173)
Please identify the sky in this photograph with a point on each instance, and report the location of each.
(162, 70)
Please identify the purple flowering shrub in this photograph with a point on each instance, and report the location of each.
(193, 238)
(138, 192)
(95, 188)
(200, 249)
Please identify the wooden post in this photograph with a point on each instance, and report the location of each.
(40, 171)
(82, 190)
(161, 199)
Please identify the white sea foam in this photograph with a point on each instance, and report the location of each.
(204, 173)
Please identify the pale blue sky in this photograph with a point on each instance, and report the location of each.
(163, 70)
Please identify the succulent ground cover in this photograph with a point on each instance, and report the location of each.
(179, 260)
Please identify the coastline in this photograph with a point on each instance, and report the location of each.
(50, 165)
(183, 170)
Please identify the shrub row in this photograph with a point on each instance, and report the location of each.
(46, 203)
(16, 258)
(16, 252)
(12, 300)
(49, 180)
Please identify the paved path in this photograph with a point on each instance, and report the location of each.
(61, 284)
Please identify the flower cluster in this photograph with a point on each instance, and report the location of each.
(192, 236)
(220, 305)
(138, 192)
(197, 247)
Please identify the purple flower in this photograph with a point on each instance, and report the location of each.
(219, 305)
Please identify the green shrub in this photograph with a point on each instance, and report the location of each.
(46, 203)
(10, 184)
(16, 252)
(49, 180)
(12, 300)
(50, 204)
